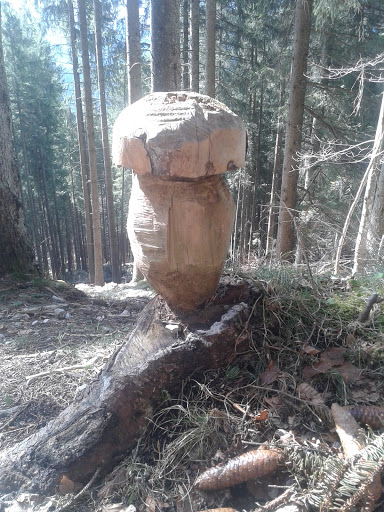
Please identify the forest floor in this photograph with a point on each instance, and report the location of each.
(307, 351)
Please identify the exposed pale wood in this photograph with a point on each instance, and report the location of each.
(180, 212)
(179, 233)
(63, 369)
(112, 412)
(179, 134)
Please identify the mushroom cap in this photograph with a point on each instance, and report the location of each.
(179, 134)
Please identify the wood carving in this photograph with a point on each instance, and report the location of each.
(181, 212)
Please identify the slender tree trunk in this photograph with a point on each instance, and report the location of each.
(376, 228)
(133, 51)
(165, 45)
(186, 45)
(367, 245)
(106, 148)
(293, 133)
(16, 252)
(322, 76)
(45, 250)
(210, 48)
(122, 219)
(55, 262)
(135, 91)
(195, 44)
(69, 238)
(275, 174)
(257, 161)
(99, 276)
(235, 229)
(58, 228)
(76, 227)
(31, 201)
(82, 146)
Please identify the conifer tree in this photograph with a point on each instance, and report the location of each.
(293, 133)
(16, 254)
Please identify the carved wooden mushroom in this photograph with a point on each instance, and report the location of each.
(180, 212)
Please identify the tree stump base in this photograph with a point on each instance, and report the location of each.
(95, 433)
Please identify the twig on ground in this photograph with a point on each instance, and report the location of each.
(63, 369)
(277, 502)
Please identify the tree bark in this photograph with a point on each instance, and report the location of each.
(367, 245)
(210, 48)
(293, 133)
(133, 51)
(58, 230)
(195, 44)
(82, 145)
(275, 174)
(186, 45)
(134, 85)
(96, 431)
(54, 255)
(31, 201)
(106, 149)
(165, 45)
(16, 252)
(97, 246)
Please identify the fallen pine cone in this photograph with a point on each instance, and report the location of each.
(219, 510)
(371, 415)
(249, 465)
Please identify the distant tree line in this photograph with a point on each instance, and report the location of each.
(305, 76)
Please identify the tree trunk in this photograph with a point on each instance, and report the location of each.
(293, 133)
(106, 149)
(44, 238)
(122, 218)
(275, 175)
(98, 257)
(186, 45)
(133, 51)
(16, 253)
(96, 431)
(366, 247)
(134, 84)
(82, 145)
(69, 238)
(54, 256)
(31, 201)
(210, 48)
(376, 227)
(58, 229)
(165, 45)
(76, 227)
(195, 44)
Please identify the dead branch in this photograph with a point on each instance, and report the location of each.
(373, 299)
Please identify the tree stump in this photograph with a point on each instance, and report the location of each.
(96, 432)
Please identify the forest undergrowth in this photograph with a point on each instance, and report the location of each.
(308, 350)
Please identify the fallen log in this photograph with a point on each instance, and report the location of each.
(94, 434)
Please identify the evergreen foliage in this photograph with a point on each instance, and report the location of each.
(253, 60)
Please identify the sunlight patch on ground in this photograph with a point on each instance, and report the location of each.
(113, 291)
